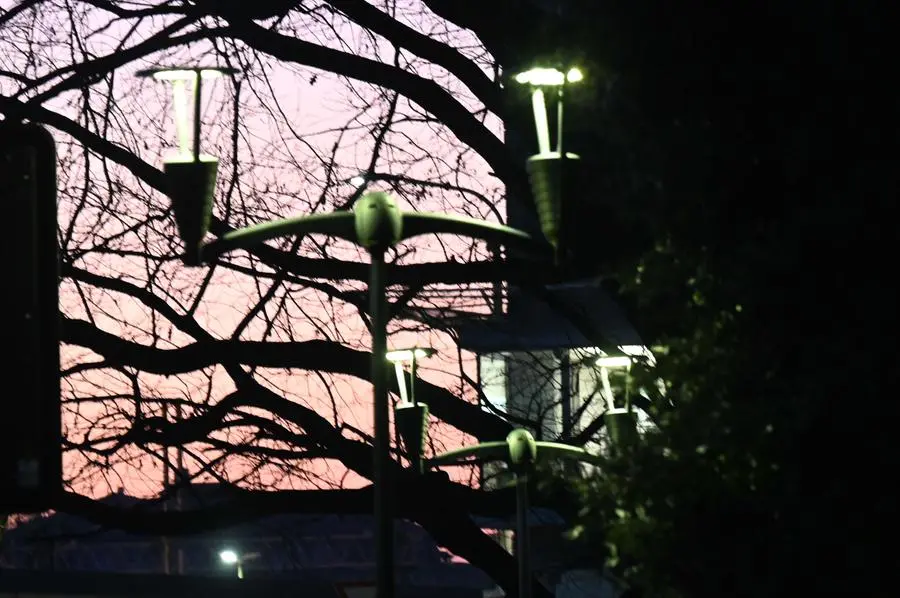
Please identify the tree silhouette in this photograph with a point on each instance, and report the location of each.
(255, 368)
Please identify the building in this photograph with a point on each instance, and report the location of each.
(315, 551)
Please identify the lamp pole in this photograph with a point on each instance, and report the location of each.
(521, 452)
(376, 224)
(523, 536)
(384, 521)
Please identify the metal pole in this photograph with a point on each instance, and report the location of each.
(167, 560)
(181, 481)
(384, 528)
(412, 378)
(565, 391)
(539, 107)
(559, 120)
(198, 90)
(562, 247)
(522, 544)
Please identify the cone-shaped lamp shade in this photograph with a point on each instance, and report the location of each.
(191, 186)
(412, 424)
(622, 426)
(545, 172)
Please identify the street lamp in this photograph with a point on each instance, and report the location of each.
(190, 175)
(621, 422)
(546, 169)
(233, 557)
(376, 224)
(521, 452)
(410, 416)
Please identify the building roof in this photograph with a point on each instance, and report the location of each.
(567, 316)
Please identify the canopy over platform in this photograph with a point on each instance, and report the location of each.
(569, 316)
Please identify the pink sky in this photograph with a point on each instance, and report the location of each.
(288, 173)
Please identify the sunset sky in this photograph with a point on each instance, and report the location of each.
(298, 128)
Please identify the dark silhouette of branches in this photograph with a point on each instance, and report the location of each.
(256, 368)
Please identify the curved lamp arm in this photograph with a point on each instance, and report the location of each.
(334, 224)
(423, 223)
(342, 225)
(559, 450)
(487, 451)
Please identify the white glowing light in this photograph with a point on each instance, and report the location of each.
(186, 74)
(549, 77)
(614, 361)
(402, 355)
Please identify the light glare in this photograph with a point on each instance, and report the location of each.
(402, 355)
(549, 77)
(229, 557)
(614, 361)
(182, 122)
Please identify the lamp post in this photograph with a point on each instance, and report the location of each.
(621, 422)
(375, 224)
(410, 416)
(546, 169)
(521, 452)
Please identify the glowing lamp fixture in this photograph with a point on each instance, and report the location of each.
(545, 169)
(521, 452)
(404, 355)
(614, 361)
(549, 77)
(188, 74)
(621, 422)
(621, 425)
(233, 557)
(410, 417)
(190, 176)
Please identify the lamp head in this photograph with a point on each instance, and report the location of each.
(549, 179)
(178, 77)
(190, 177)
(404, 355)
(411, 421)
(379, 222)
(229, 557)
(613, 361)
(186, 73)
(191, 188)
(549, 77)
(621, 426)
(522, 448)
(549, 184)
